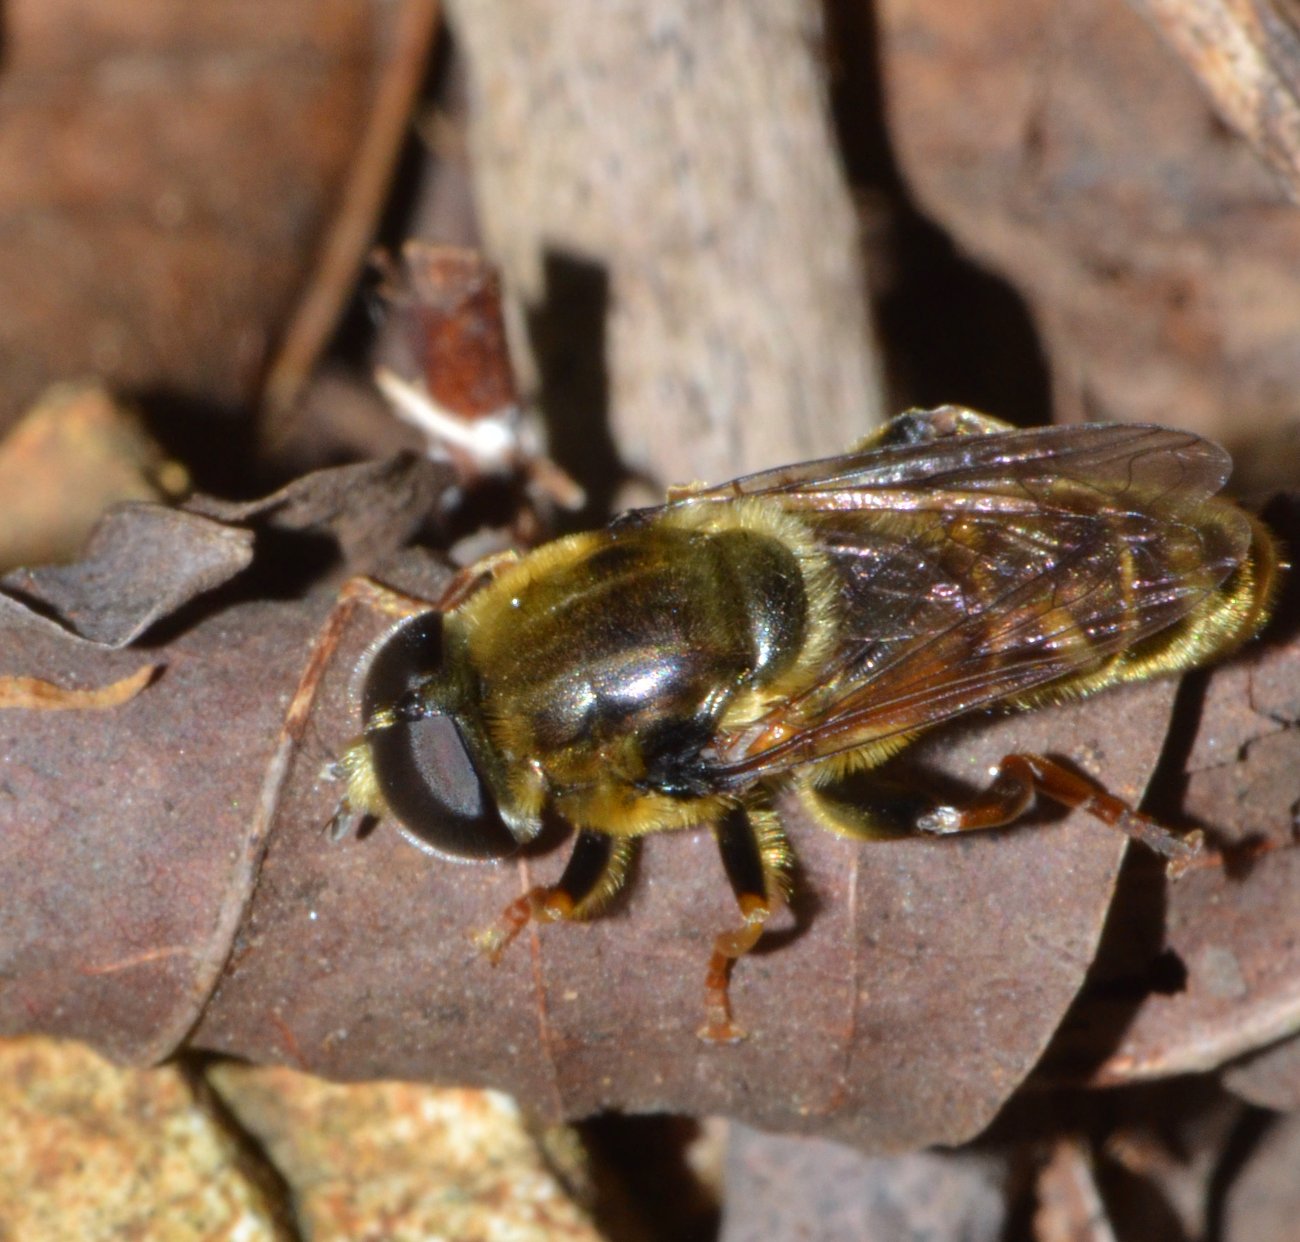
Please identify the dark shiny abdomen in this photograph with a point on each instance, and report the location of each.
(655, 626)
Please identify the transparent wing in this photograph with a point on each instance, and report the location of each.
(938, 466)
(979, 568)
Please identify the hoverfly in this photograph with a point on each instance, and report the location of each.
(795, 626)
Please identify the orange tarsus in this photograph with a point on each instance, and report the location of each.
(537, 905)
(727, 947)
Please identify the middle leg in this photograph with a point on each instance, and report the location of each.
(757, 859)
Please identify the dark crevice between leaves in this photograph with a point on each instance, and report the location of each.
(1242, 1144)
(1137, 1206)
(1141, 1139)
(1282, 516)
(216, 443)
(950, 329)
(254, 1162)
(1167, 787)
(286, 572)
(1021, 1200)
(647, 1158)
(568, 332)
(1131, 964)
(417, 164)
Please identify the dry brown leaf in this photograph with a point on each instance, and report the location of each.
(167, 173)
(916, 986)
(1063, 145)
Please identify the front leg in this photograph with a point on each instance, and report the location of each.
(595, 872)
(757, 859)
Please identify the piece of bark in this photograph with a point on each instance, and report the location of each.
(89, 1150)
(1063, 145)
(782, 1187)
(673, 171)
(1246, 56)
(401, 1160)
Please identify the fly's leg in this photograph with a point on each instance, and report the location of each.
(386, 600)
(595, 872)
(466, 580)
(1019, 777)
(394, 603)
(867, 806)
(756, 859)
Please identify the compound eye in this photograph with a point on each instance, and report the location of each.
(422, 765)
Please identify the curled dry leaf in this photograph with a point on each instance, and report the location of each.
(918, 986)
(130, 840)
(108, 597)
(32, 694)
(171, 878)
(144, 562)
(366, 510)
